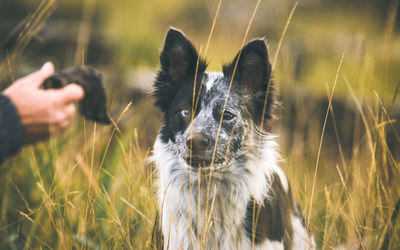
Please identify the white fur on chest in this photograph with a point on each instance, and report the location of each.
(186, 223)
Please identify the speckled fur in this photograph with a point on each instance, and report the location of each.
(205, 206)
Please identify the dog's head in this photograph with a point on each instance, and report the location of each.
(211, 118)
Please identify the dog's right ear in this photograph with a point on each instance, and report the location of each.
(178, 57)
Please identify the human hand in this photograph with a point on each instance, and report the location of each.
(43, 112)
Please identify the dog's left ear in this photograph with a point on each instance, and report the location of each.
(252, 74)
(253, 69)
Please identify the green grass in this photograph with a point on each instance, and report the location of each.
(92, 187)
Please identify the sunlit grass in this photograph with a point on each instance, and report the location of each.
(93, 188)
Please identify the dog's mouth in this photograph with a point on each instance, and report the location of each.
(204, 164)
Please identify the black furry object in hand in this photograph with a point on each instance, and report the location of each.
(93, 105)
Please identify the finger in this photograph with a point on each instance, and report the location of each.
(64, 124)
(70, 93)
(37, 78)
(63, 120)
(60, 123)
(57, 118)
(70, 110)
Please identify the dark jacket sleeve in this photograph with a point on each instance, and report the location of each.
(10, 129)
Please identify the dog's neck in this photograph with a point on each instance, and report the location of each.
(205, 207)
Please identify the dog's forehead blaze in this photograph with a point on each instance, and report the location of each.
(211, 79)
(215, 89)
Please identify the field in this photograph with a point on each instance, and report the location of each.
(336, 67)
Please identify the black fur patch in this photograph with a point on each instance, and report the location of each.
(271, 220)
(93, 105)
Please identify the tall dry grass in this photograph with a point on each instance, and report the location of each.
(93, 188)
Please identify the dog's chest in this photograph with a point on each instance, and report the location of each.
(210, 215)
(204, 218)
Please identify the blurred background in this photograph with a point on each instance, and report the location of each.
(92, 187)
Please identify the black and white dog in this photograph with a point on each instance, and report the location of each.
(219, 183)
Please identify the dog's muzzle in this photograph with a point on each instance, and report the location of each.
(200, 155)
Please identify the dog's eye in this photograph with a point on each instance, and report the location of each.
(228, 116)
(185, 113)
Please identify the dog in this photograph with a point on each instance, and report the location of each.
(220, 186)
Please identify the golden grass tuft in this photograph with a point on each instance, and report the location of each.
(93, 188)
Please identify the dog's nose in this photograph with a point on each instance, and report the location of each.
(197, 143)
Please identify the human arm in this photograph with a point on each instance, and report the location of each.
(10, 128)
(40, 112)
